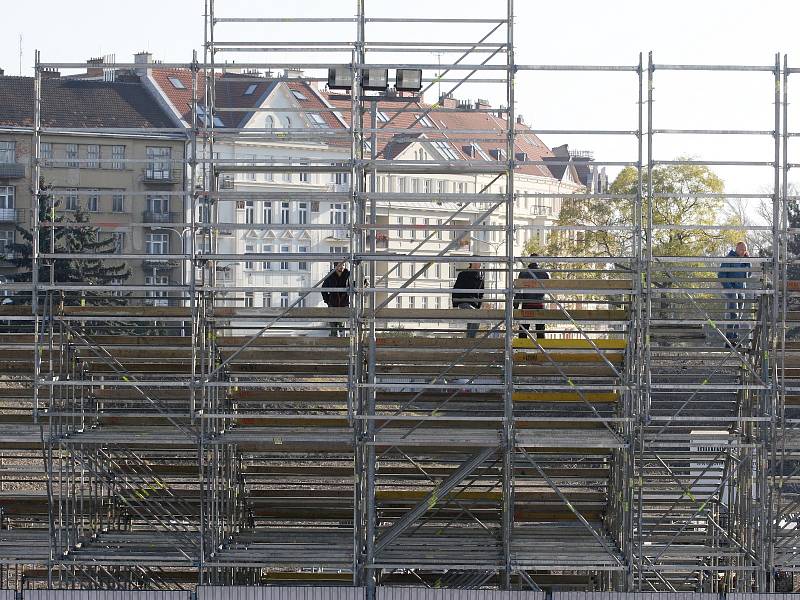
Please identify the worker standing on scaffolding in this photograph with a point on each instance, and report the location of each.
(528, 300)
(733, 275)
(338, 278)
(469, 282)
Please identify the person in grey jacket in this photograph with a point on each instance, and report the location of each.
(470, 284)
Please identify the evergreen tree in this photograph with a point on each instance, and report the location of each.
(60, 239)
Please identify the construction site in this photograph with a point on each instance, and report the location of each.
(193, 442)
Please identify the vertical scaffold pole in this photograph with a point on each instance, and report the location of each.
(508, 371)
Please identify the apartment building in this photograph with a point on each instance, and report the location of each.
(131, 181)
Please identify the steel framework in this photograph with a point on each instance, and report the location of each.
(214, 443)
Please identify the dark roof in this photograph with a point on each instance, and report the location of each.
(80, 104)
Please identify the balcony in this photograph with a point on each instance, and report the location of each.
(158, 217)
(158, 264)
(157, 175)
(12, 170)
(9, 215)
(8, 256)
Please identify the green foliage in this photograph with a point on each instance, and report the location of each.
(684, 206)
(54, 239)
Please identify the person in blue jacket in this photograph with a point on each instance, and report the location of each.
(732, 276)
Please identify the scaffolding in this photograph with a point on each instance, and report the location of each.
(214, 443)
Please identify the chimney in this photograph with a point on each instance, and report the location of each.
(447, 101)
(482, 104)
(50, 73)
(293, 73)
(2, 72)
(95, 69)
(520, 120)
(143, 58)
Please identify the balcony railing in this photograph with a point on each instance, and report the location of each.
(158, 175)
(12, 170)
(8, 215)
(158, 217)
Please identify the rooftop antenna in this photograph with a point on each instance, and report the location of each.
(439, 74)
(20, 55)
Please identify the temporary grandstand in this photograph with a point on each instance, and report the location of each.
(160, 447)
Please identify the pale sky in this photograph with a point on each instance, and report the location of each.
(572, 32)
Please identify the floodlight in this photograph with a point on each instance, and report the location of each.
(375, 79)
(340, 78)
(408, 80)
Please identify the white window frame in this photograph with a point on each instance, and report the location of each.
(266, 212)
(93, 200)
(8, 151)
(71, 155)
(286, 213)
(156, 241)
(159, 163)
(93, 156)
(118, 157)
(118, 201)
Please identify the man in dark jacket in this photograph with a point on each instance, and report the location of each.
(340, 298)
(530, 300)
(469, 282)
(732, 276)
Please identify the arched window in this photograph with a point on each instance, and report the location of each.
(288, 122)
(269, 123)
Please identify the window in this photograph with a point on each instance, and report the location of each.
(71, 153)
(302, 265)
(158, 165)
(284, 213)
(6, 198)
(413, 229)
(176, 83)
(266, 265)
(269, 122)
(425, 302)
(302, 213)
(118, 201)
(204, 117)
(266, 213)
(157, 297)
(249, 212)
(72, 199)
(267, 299)
(8, 152)
(299, 95)
(304, 175)
(446, 150)
(415, 186)
(6, 239)
(429, 186)
(119, 241)
(251, 175)
(204, 212)
(250, 89)
(341, 178)
(438, 302)
(158, 204)
(438, 270)
(157, 243)
(411, 302)
(287, 176)
(442, 186)
(249, 249)
(438, 230)
(93, 200)
(269, 175)
(46, 153)
(92, 156)
(288, 122)
(382, 118)
(317, 121)
(402, 185)
(118, 157)
(284, 299)
(426, 122)
(338, 214)
(248, 299)
(284, 261)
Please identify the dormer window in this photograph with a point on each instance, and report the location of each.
(299, 95)
(382, 118)
(317, 120)
(426, 122)
(250, 89)
(176, 83)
